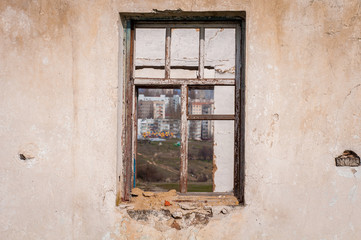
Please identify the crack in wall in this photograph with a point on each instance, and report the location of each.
(352, 89)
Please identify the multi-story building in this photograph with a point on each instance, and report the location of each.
(201, 130)
(159, 113)
(145, 109)
(158, 109)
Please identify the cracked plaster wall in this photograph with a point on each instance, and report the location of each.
(58, 101)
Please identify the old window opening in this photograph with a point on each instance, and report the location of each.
(183, 121)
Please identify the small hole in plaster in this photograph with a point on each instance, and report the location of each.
(28, 151)
(276, 117)
(348, 158)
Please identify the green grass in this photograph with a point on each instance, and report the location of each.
(164, 157)
(192, 187)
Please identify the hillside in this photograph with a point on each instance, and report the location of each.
(158, 164)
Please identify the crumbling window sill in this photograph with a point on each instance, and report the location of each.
(175, 210)
(171, 200)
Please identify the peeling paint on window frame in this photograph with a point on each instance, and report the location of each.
(129, 84)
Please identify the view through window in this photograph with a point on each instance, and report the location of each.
(184, 78)
(158, 139)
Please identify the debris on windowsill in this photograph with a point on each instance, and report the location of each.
(171, 200)
(167, 203)
(187, 206)
(172, 210)
(177, 215)
(148, 194)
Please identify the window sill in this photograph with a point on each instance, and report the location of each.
(174, 201)
(167, 210)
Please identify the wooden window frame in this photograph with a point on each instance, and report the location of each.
(128, 123)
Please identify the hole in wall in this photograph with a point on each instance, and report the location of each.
(28, 151)
(348, 159)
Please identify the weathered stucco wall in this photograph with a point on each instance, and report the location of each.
(59, 98)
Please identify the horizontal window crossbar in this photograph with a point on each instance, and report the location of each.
(182, 81)
(211, 117)
(185, 25)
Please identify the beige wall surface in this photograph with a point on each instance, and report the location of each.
(59, 104)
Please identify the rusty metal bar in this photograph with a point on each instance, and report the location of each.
(201, 53)
(184, 142)
(182, 81)
(211, 117)
(168, 34)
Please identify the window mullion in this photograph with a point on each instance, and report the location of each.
(134, 135)
(238, 148)
(168, 34)
(201, 53)
(184, 142)
(128, 98)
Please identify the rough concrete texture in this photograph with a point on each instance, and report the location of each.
(59, 100)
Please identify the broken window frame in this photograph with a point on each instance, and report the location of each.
(128, 120)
